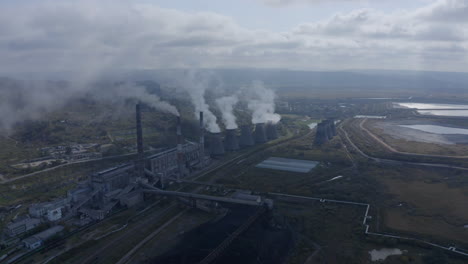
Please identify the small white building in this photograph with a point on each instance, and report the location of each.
(32, 242)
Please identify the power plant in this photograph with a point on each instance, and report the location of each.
(132, 183)
(325, 131)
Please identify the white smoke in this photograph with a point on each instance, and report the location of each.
(226, 106)
(32, 100)
(261, 101)
(133, 91)
(196, 83)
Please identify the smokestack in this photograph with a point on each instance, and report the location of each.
(216, 145)
(231, 142)
(260, 135)
(202, 141)
(271, 131)
(140, 162)
(180, 153)
(246, 138)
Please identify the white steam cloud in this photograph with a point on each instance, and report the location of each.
(226, 106)
(196, 83)
(132, 91)
(261, 101)
(31, 100)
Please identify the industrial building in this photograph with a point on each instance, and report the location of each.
(51, 211)
(126, 184)
(38, 239)
(21, 226)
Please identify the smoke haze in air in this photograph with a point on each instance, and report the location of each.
(261, 102)
(226, 105)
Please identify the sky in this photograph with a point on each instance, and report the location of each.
(104, 35)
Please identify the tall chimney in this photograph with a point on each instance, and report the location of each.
(180, 151)
(202, 141)
(140, 162)
(259, 134)
(246, 138)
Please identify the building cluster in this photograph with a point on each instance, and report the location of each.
(325, 131)
(126, 185)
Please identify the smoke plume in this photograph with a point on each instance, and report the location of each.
(226, 106)
(196, 83)
(261, 101)
(31, 100)
(133, 91)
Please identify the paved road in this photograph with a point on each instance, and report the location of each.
(60, 166)
(391, 149)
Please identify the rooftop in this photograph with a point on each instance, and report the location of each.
(294, 165)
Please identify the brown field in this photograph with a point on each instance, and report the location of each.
(399, 220)
(432, 198)
(432, 209)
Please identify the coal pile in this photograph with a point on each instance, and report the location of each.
(259, 244)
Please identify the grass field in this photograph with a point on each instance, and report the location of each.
(423, 202)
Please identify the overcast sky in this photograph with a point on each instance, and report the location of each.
(90, 36)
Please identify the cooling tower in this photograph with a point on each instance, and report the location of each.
(216, 145)
(271, 131)
(321, 136)
(231, 142)
(246, 138)
(259, 134)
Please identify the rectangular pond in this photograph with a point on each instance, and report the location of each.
(422, 106)
(294, 165)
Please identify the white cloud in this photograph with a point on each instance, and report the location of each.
(93, 36)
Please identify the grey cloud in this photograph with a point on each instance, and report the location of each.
(94, 36)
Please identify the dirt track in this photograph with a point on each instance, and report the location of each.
(391, 149)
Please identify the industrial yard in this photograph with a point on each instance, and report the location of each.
(287, 184)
